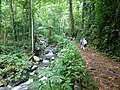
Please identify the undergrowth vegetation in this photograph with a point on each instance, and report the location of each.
(13, 65)
(66, 72)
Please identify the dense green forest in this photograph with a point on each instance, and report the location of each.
(97, 20)
(23, 22)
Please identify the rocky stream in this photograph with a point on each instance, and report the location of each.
(42, 58)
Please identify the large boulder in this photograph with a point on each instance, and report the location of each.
(36, 58)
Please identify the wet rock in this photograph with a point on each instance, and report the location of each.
(49, 55)
(15, 83)
(36, 59)
(46, 51)
(33, 73)
(53, 58)
(49, 49)
(43, 42)
(46, 61)
(23, 78)
(34, 67)
(23, 86)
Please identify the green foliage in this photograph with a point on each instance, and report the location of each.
(101, 25)
(13, 65)
(66, 69)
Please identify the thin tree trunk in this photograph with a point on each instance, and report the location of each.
(83, 14)
(31, 20)
(13, 20)
(15, 26)
(30, 14)
(31, 34)
(71, 17)
(24, 24)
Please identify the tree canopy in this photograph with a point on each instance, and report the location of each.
(97, 20)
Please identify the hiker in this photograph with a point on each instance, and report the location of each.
(83, 43)
(71, 38)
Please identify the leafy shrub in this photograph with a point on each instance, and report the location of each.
(13, 65)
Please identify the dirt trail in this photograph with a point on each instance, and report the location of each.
(105, 71)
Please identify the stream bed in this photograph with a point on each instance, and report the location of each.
(42, 60)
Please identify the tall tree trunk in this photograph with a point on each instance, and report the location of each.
(71, 17)
(32, 28)
(29, 17)
(31, 24)
(13, 20)
(83, 14)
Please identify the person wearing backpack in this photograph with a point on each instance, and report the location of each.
(83, 43)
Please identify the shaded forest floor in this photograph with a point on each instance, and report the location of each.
(105, 70)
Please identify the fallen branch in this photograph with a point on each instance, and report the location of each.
(31, 56)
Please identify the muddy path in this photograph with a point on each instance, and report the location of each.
(105, 71)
